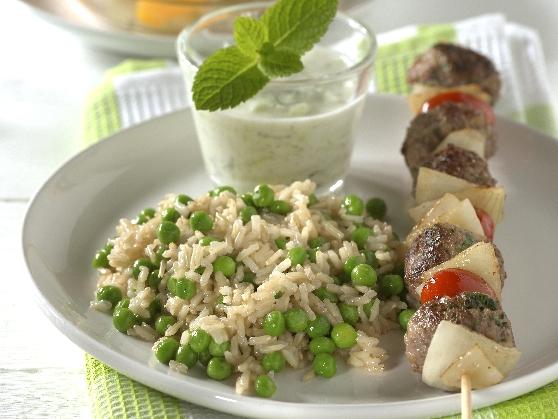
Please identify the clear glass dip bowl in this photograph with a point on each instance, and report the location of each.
(298, 127)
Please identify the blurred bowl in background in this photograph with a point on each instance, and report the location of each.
(158, 16)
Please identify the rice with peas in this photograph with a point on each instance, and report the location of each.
(233, 308)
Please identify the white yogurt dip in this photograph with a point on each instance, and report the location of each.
(286, 132)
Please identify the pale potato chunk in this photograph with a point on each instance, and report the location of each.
(468, 139)
(432, 184)
(455, 350)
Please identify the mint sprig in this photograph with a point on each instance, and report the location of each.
(266, 48)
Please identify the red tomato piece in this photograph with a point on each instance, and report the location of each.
(486, 222)
(452, 282)
(457, 96)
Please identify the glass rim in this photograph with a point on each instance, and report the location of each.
(355, 24)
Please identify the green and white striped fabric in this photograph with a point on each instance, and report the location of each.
(137, 90)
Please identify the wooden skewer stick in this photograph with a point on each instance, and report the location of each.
(466, 405)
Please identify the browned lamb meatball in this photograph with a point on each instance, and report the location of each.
(478, 312)
(449, 65)
(464, 164)
(428, 130)
(437, 244)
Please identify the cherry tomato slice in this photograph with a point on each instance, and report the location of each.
(486, 222)
(452, 282)
(457, 96)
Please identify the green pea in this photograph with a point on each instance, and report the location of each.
(249, 276)
(370, 258)
(353, 205)
(183, 199)
(324, 294)
(199, 270)
(340, 280)
(297, 255)
(168, 232)
(280, 207)
(263, 196)
(204, 357)
(364, 275)
(274, 361)
(404, 318)
(321, 345)
(317, 242)
(226, 265)
(109, 293)
(247, 199)
(264, 386)
(148, 212)
(360, 236)
(153, 279)
(165, 349)
(219, 369)
(185, 288)
(281, 243)
(163, 323)
(136, 267)
(220, 189)
(199, 340)
(171, 285)
(320, 326)
(376, 208)
(368, 308)
(140, 219)
(246, 214)
(390, 285)
(351, 263)
(274, 323)
(154, 307)
(296, 320)
(312, 199)
(186, 355)
(311, 253)
(123, 318)
(344, 335)
(205, 241)
(324, 365)
(201, 221)
(100, 260)
(124, 303)
(349, 313)
(170, 214)
(219, 349)
(278, 294)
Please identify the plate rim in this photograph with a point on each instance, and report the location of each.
(235, 404)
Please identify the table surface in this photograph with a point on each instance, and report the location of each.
(45, 76)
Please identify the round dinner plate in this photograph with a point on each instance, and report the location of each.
(79, 205)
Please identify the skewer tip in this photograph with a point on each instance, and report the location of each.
(466, 404)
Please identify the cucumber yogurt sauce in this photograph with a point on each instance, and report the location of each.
(285, 132)
(295, 128)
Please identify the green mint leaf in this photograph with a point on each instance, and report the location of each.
(298, 24)
(249, 34)
(225, 79)
(280, 63)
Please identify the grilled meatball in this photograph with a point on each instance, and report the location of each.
(474, 310)
(464, 164)
(437, 244)
(450, 65)
(428, 130)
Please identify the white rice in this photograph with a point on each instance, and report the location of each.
(277, 285)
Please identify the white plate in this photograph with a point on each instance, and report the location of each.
(78, 207)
